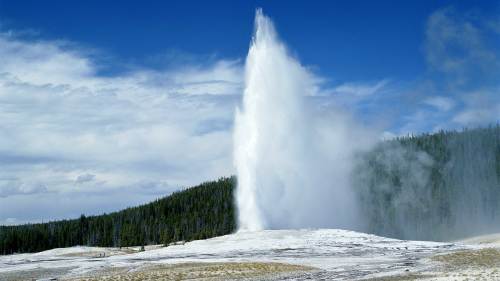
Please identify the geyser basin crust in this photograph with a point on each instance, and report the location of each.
(336, 254)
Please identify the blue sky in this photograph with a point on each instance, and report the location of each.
(105, 105)
(346, 40)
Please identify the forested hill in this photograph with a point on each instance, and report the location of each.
(196, 213)
(429, 187)
(439, 186)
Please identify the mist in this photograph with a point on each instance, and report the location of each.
(293, 160)
(434, 187)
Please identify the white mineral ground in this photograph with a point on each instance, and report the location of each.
(269, 255)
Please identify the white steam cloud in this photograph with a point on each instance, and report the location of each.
(293, 160)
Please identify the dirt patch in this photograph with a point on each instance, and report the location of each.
(402, 277)
(199, 271)
(482, 264)
(488, 257)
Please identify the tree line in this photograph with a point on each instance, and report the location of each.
(199, 212)
(438, 186)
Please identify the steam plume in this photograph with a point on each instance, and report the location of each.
(293, 163)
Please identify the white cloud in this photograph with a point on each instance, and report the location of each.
(9, 187)
(476, 116)
(360, 89)
(479, 107)
(355, 95)
(85, 178)
(440, 103)
(64, 129)
(41, 63)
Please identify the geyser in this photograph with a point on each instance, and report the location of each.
(293, 160)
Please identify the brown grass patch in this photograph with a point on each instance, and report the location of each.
(488, 257)
(198, 271)
(405, 277)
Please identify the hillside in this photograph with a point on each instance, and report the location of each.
(199, 212)
(437, 187)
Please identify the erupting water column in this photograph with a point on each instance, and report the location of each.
(248, 122)
(284, 154)
(272, 95)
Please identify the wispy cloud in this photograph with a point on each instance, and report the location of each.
(360, 89)
(458, 46)
(461, 87)
(440, 103)
(14, 186)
